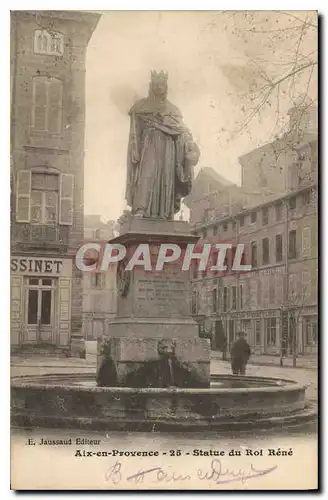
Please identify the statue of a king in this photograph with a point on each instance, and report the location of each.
(161, 154)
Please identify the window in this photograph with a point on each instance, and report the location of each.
(253, 294)
(96, 281)
(32, 317)
(234, 297)
(244, 256)
(225, 299)
(306, 241)
(254, 254)
(50, 43)
(306, 198)
(306, 284)
(257, 332)
(253, 216)
(241, 297)
(265, 251)
(233, 224)
(225, 226)
(46, 307)
(39, 301)
(311, 332)
(265, 216)
(292, 202)
(259, 293)
(271, 334)
(47, 105)
(272, 292)
(242, 221)
(292, 244)
(278, 211)
(215, 230)
(97, 234)
(292, 287)
(194, 270)
(278, 248)
(279, 289)
(38, 200)
(44, 199)
(265, 291)
(194, 300)
(204, 232)
(215, 299)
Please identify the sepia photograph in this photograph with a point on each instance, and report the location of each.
(164, 250)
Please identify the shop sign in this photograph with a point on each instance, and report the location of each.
(40, 266)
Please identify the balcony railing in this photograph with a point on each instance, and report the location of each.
(39, 236)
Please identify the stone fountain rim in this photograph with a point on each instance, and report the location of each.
(28, 381)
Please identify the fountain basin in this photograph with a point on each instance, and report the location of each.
(74, 401)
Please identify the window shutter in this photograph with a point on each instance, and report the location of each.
(39, 109)
(66, 199)
(55, 102)
(47, 104)
(23, 196)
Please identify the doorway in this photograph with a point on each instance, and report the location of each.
(231, 332)
(97, 328)
(40, 296)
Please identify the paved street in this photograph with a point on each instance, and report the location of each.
(309, 362)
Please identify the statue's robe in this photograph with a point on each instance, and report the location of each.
(161, 156)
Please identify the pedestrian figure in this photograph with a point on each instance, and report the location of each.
(240, 353)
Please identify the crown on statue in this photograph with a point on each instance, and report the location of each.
(161, 76)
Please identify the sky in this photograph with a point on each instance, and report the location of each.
(206, 55)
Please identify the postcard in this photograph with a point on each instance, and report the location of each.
(164, 250)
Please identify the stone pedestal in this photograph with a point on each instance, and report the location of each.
(153, 307)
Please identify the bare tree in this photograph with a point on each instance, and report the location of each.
(298, 299)
(281, 67)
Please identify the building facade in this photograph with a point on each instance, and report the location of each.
(290, 161)
(48, 51)
(99, 288)
(275, 302)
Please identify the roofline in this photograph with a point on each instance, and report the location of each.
(208, 169)
(211, 193)
(255, 207)
(90, 18)
(311, 138)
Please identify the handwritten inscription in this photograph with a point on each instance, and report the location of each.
(216, 473)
